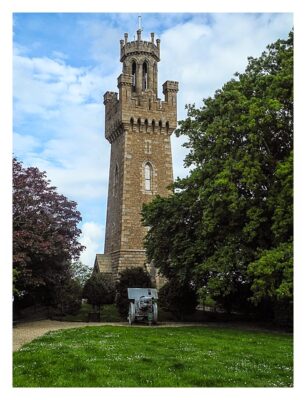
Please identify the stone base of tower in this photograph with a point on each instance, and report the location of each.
(118, 261)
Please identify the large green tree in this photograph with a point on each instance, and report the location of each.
(233, 213)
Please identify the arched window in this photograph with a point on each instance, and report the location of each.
(134, 76)
(139, 124)
(160, 124)
(132, 123)
(146, 125)
(148, 170)
(153, 125)
(144, 76)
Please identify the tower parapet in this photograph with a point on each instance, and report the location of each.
(139, 46)
(138, 97)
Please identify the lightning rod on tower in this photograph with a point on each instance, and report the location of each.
(139, 23)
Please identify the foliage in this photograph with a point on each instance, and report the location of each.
(160, 357)
(204, 299)
(108, 313)
(45, 235)
(68, 296)
(233, 213)
(129, 278)
(272, 274)
(80, 272)
(178, 298)
(99, 289)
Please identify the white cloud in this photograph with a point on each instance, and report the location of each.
(42, 84)
(202, 57)
(92, 237)
(69, 113)
(25, 143)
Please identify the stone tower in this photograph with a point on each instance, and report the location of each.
(138, 125)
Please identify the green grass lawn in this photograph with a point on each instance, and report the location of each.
(112, 356)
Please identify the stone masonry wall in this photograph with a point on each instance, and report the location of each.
(138, 125)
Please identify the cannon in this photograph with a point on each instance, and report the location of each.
(143, 306)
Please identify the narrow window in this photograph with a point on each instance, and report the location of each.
(116, 180)
(134, 76)
(139, 124)
(144, 76)
(148, 177)
(155, 77)
(167, 127)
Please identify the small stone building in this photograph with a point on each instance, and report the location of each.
(138, 125)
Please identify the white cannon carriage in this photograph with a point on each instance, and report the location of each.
(143, 306)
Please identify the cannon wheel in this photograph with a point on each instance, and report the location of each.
(155, 313)
(131, 316)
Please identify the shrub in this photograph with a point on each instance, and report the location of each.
(178, 298)
(99, 290)
(131, 277)
(72, 298)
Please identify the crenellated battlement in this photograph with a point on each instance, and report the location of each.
(130, 110)
(170, 86)
(139, 46)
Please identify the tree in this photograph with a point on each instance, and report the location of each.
(68, 296)
(130, 278)
(99, 290)
(272, 272)
(236, 203)
(178, 298)
(80, 272)
(45, 234)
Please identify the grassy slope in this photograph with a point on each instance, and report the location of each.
(155, 357)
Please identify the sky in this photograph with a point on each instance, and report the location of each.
(63, 63)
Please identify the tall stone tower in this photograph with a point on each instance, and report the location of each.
(138, 125)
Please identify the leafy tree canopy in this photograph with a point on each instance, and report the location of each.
(99, 289)
(178, 298)
(232, 215)
(45, 233)
(80, 272)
